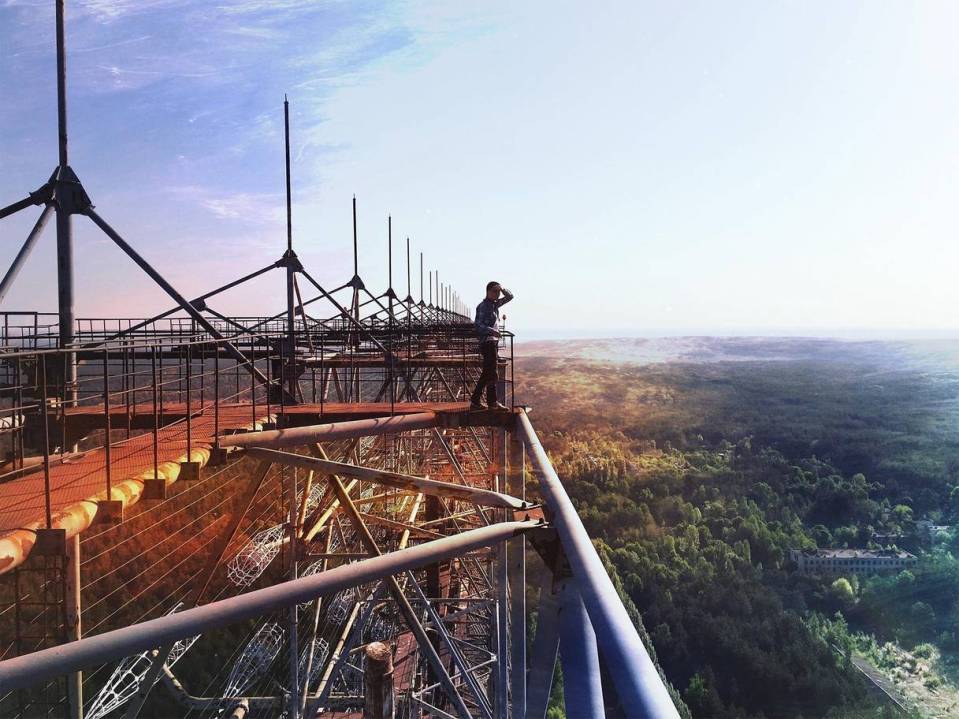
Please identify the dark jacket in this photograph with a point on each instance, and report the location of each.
(487, 316)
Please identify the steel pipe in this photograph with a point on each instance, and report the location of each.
(24, 252)
(176, 296)
(431, 487)
(33, 199)
(41, 666)
(542, 659)
(641, 690)
(299, 436)
(582, 680)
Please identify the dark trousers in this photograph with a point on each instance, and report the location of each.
(488, 378)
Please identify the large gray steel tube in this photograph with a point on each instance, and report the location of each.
(300, 436)
(641, 690)
(41, 666)
(466, 493)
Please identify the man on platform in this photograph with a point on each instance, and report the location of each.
(487, 328)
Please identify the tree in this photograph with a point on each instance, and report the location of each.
(701, 697)
(842, 592)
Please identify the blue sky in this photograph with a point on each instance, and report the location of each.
(657, 166)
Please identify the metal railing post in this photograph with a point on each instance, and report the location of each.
(189, 401)
(106, 424)
(216, 394)
(46, 440)
(156, 413)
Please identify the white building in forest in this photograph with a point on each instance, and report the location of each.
(851, 561)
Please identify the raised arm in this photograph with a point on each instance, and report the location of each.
(507, 296)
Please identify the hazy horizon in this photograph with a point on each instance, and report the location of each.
(849, 333)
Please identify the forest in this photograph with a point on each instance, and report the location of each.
(695, 480)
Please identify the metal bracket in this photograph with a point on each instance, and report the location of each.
(547, 545)
(50, 543)
(154, 488)
(109, 512)
(68, 193)
(189, 472)
(290, 259)
(356, 283)
(218, 456)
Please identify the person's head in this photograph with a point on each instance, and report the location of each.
(493, 290)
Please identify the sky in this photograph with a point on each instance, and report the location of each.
(623, 167)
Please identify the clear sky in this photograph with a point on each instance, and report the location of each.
(657, 166)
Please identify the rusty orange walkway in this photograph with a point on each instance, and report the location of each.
(79, 484)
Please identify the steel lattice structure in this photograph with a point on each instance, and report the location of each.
(283, 515)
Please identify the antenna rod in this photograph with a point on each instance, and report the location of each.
(61, 84)
(356, 270)
(289, 204)
(64, 218)
(389, 233)
(421, 277)
(290, 278)
(409, 291)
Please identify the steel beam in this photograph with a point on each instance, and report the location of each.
(24, 252)
(641, 690)
(35, 198)
(30, 669)
(502, 593)
(516, 486)
(582, 680)
(301, 436)
(430, 487)
(542, 664)
(402, 604)
(199, 303)
(176, 296)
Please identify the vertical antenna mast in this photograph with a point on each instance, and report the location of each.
(64, 218)
(409, 290)
(356, 266)
(289, 259)
(289, 203)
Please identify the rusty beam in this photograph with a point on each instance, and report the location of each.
(301, 436)
(430, 487)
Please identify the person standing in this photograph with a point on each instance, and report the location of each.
(487, 329)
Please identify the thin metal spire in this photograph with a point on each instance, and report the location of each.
(289, 200)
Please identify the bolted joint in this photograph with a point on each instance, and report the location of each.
(43, 194)
(68, 194)
(356, 283)
(290, 259)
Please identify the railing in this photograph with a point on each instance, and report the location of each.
(162, 375)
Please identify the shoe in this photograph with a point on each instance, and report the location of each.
(498, 405)
(476, 407)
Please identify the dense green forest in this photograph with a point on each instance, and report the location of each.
(696, 479)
